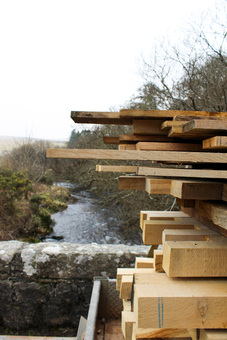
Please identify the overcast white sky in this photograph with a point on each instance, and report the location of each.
(58, 56)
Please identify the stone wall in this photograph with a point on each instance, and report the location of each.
(49, 285)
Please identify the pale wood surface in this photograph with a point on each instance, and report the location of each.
(157, 186)
(215, 212)
(116, 168)
(181, 303)
(144, 262)
(195, 258)
(187, 173)
(157, 333)
(152, 230)
(127, 147)
(127, 306)
(213, 334)
(167, 156)
(188, 235)
(217, 142)
(159, 215)
(126, 287)
(130, 271)
(168, 146)
(127, 321)
(158, 259)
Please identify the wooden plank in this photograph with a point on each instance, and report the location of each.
(126, 287)
(130, 271)
(177, 132)
(181, 303)
(193, 212)
(85, 117)
(150, 253)
(152, 277)
(148, 127)
(191, 117)
(195, 190)
(168, 124)
(144, 262)
(168, 146)
(116, 168)
(213, 334)
(131, 183)
(187, 173)
(199, 129)
(217, 142)
(127, 147)
(110, 140)
(143, 138)
(215, 212)
(168, 114)
(187, 235)
(160, 333)
(166, 156)
(127, 321)
(180, 120)
(158, 258)
(157, 186)
(159, 215)
(205, 126)
(195, 259)
(28, 337)
(152, 230)
(127, 306)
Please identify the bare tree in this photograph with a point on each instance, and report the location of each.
(191, 75)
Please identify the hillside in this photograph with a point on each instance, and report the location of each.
(8, 143)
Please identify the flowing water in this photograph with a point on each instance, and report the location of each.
(85, 222)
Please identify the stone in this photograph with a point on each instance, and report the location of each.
(50, 284)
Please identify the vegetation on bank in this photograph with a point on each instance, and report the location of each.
(26, 204)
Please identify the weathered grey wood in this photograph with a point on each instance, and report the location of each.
(86, 117)
(166, 113)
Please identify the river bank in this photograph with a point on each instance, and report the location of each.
(26, 207)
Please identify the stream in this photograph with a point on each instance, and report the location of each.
(85, 222)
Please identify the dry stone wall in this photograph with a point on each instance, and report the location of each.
(49, 284)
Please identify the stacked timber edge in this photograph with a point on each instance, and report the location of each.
(179, 291)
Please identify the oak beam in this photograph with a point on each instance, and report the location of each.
(166, 156)
(181, 173)
(181, 304)
(195, 258)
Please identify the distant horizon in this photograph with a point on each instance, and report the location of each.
(33, 138)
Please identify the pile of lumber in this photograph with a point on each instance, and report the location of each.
(179, 291)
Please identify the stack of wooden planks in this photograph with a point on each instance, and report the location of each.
(179, 291)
